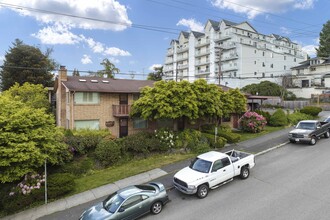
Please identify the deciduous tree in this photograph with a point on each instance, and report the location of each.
(157, 74)
(28, 136)
(109, 70)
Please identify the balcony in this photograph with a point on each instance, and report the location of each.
(121, 110)
(230, 57)
(202, 72)
(169, 52)
(221, 38)
(180, 58)
(182, 49)
(202, 53)
(202, 42)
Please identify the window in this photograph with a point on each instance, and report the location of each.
(271, 65)
(87, 124)
(295, 60)
(255, 51)
(217, 165)
(225, 161)
(284, 57)
(263, 75)
(255, 62)
(255, 73)
(140, 123)
(263, 64)
(263, 53)
(89, 98)
(123, 99)
(284, 67)
(132, 201)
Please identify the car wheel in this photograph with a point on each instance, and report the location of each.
(156, 208)
(202, 191)
(313, 141)
(245, 172)
(327, 134)
(292, 141)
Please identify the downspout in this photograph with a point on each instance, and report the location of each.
(72, 111)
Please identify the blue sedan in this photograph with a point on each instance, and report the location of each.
(131, 202)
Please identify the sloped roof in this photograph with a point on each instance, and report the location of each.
(197, 34)
(215, 24)
(279, 37)
(105, 85)
(185, 34)
(229, 23)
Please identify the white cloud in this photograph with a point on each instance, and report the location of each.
(103, 14)
(310, 50)
(57, 34)
(152, 67)
(86, 59)
(191, 24)
(114, 51)
(253, 8)
(285, 30)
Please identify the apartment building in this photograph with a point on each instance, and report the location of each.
(311, 77)
(98, 103)
(242, 55)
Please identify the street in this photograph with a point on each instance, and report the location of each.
(288, 183)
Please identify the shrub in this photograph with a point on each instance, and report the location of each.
(278, 118)
(295, 117)
(188, 138)
(141, 144)
(78, 167)
(107, 152)
(218, 142)
(311, 110)
(229, 136)
(200, 147)
(252, 122)
(84, 140)
(60, 184)
(166, 137)
(266, 115)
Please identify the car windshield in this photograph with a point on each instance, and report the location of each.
(327, 120)
(200, 165)
(112, 203)
(306, 126)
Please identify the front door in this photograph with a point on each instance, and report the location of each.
(123, 127)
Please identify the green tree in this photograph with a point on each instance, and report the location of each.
(28, 137)
(267, 88)
(157, 74)
(109, 69)
(24, 63)
(75, 72)
(324, 47)
(239, 101)
(36, 96)
(174, 100)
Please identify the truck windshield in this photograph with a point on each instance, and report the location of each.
(306, 126)
(201, 165)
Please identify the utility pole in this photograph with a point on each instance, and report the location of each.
(220, 52)
(176, 72)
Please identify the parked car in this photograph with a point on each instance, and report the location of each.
(327, 119)
(129, 203)
(211, 170)
(309, 131)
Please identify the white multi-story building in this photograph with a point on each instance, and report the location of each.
(246, 55)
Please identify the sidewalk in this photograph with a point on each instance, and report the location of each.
(257, 146)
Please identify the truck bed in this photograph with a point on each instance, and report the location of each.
(236, 155)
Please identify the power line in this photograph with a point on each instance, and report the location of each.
(140, 26)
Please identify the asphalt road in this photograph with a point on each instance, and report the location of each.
(291, 182)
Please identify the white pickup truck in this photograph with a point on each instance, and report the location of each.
(211, 170)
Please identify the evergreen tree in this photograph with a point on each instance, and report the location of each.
(24, 63)
(324, 47)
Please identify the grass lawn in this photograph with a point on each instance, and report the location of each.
(131, 168)
(268, 129)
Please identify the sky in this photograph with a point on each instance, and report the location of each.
(135, 34)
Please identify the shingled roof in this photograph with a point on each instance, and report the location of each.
(105, 85)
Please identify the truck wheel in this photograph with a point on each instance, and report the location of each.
(327, 134)
(202, 191)
(245, 172)
(313, 140)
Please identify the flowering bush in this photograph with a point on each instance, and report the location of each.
(30, 182)
(252, 122)
(166, 137)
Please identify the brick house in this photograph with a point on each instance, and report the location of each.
(98, 103)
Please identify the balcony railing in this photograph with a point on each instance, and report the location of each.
(121, 110)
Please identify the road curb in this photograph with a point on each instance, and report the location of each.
(273, 148)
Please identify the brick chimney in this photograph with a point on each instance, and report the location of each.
(63, 74)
